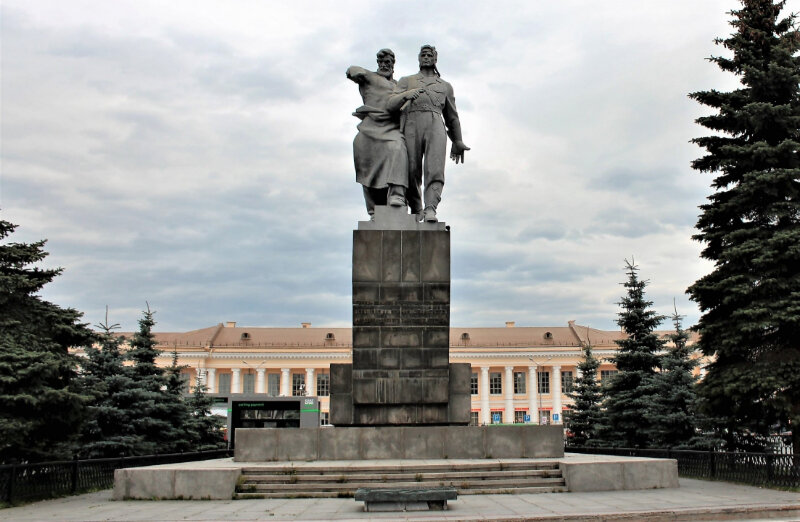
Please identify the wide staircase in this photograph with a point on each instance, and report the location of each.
(469, 478)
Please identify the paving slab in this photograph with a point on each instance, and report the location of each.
(693, 500)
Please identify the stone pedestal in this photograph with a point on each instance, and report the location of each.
(401, 372)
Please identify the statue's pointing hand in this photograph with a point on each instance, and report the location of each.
(457, 151)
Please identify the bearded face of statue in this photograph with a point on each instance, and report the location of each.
(386, 66)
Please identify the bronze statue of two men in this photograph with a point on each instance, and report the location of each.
(400, 148)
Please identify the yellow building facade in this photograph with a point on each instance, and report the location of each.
(519, 374)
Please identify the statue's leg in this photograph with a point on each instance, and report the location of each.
(372, 197)
(434, 166)
(397, 195)
(415, 148)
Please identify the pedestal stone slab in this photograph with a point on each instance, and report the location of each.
(401, 328)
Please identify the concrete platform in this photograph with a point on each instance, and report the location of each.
(693, 500)
(399, 442)
(216, 479)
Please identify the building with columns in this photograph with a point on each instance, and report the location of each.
(519, 374)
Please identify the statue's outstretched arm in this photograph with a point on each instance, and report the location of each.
(357, 74)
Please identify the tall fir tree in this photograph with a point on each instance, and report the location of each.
(585, 414)
(629, 393)
(673, 412)
(154, 403)
(750, 228)
(206, 428)
(176, 408)
(42, 407)
(109, 430)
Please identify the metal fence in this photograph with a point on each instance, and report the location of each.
(757, 469)
(26, 482)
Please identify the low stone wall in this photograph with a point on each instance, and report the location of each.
(172, 482)
(604, 473)
(398, 442)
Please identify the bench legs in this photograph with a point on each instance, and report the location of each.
(432, 505)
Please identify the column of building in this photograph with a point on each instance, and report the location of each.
(508, 382)
(260, 378)
(286, 387)
(211, 380)
(485, 414)
(556, 393)
(533, 395)
(311, 382)
(236, 381)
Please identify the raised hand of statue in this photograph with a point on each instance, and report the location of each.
(457, 151)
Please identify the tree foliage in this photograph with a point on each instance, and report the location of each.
(585, 414)
(750, 228)
(630, 393)
(673, 412)
(159, 417)
(206, 429)
(42, 407)
(109, 430)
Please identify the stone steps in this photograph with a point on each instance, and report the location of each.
(341, 481)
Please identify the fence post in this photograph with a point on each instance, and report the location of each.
(11, 478)
(712, 465)
(770, 468)
(74, 485)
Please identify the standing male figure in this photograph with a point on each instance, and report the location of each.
(379, 149)
(432, 98)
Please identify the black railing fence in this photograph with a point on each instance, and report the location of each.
(26, 482)
(757, 469)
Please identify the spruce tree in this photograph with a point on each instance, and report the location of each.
(585, 414)
(154, 419)
(206, 429)
(42, 407)
(108, 431)
(630, 392)
(673, 412)
(176, 408)
(750, 228)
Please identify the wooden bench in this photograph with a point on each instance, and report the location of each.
(405, 499)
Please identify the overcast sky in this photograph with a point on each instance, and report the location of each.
(198, 155)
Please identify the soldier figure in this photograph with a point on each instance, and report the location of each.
(425, 99)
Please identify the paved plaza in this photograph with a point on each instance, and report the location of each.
(694, 500)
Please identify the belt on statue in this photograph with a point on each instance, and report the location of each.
(424, 107)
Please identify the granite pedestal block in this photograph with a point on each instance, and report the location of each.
(401, 372)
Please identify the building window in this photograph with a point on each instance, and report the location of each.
(224, 384)
(473, 383)
(324, 419)
(605, 374)
(495, 383)
(519, 383)
(544, 416)
(249, 383)
(274, 384)
(474, 418)
(565, 415)
(544, 382)
(323, 384)
(519, 416)
(566, 382)
(298, 384)
(186, 379)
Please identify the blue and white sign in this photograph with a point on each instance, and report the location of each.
(496, 418)
(555, 417)
(527, 418)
